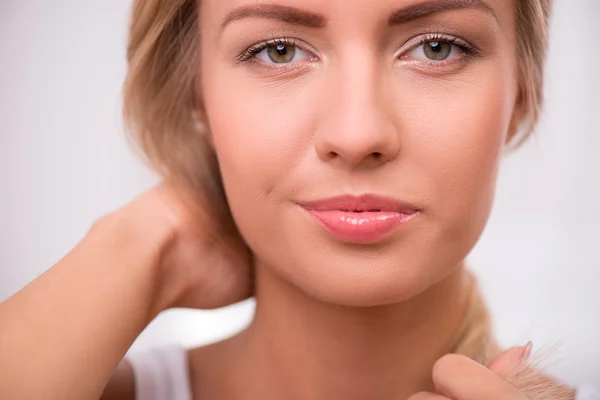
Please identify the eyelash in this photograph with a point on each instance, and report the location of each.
(256, 49)
(468, 49)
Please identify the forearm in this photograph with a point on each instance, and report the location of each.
(64, 334)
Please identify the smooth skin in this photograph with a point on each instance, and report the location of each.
(360, 110)
(128, 268)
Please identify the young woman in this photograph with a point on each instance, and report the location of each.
(336, 159)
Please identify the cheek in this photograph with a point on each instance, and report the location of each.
(261, 133)
(456, 131)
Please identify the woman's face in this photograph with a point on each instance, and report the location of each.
(401, 107)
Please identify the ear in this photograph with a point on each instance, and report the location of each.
(201, 124)
(519, 114)
(199, 114)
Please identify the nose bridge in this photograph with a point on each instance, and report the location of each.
(355, 125)
(357, 100)
(359, 92)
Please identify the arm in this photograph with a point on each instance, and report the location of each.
(65, 333)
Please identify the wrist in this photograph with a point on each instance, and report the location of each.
(136, 243)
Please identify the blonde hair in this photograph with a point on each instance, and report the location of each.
(476, 341)
(166, 120)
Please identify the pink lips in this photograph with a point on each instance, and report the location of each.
(365, 219)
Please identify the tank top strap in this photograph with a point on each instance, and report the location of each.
(161, 373)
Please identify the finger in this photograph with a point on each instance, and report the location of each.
(427, 396)
(506, 362)
(461, 378)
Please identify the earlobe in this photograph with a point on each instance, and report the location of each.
(199, 115)
(518, 117)
(200, 124)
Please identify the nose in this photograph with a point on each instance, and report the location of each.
(356, 128)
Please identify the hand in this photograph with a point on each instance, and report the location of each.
(459, 378)
(509, 377)
(164, 249)
(201, 265)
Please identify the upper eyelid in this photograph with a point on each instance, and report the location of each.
(418, 40)
(432, 37)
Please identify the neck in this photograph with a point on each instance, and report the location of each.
(300, 348)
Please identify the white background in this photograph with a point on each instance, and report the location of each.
(64, 162)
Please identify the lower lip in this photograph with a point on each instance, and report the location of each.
(361, 228)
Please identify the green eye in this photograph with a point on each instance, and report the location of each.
(437, 51)
(281, 53)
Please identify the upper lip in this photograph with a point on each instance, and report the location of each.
(362, 203)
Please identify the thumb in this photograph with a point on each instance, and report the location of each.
(508, 360)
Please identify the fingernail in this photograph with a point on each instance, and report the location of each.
(527, 351)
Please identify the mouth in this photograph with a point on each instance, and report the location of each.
(365, 219)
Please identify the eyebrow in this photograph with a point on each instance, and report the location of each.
(421, 10)
(287, 14)
(296, 16)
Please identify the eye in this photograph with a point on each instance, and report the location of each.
(279, 54)
(277, 51)
(439, 49)
(435, 51)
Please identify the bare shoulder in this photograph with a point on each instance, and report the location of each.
(121, 385)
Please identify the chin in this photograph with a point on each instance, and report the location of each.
(361, 277)
(360, 290)
(297, 254)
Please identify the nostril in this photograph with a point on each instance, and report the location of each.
(377, 155)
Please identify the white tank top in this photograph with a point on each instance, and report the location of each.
(163, 373)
